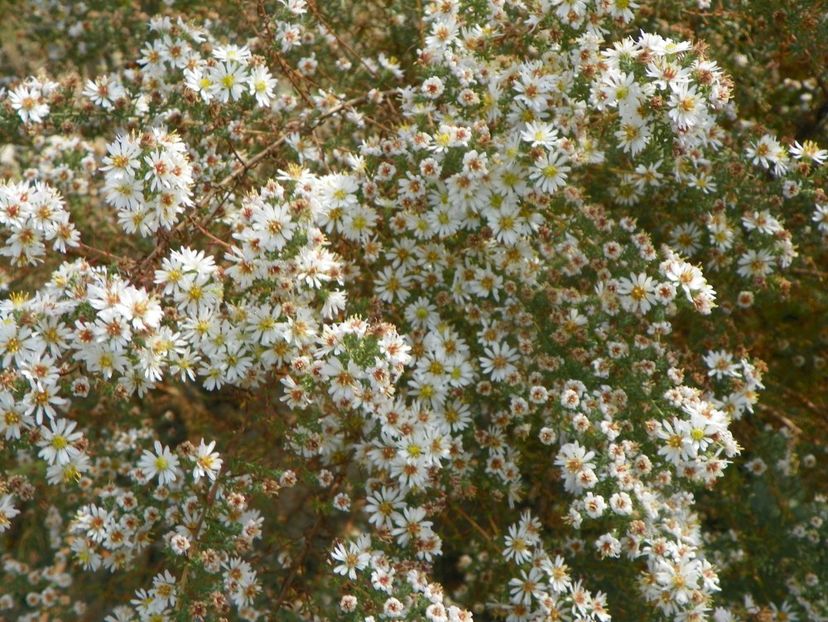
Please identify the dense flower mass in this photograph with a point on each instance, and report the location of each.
(389, 311)
(148, 180)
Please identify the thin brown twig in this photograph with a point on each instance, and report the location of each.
(102, 253)
(211, 498)
(315, 10)
(209, 501)
(296, 126)
(781, 418)
(300, 562)
(472, 522)
(218, 241)
(807, 272)
(288, 71)
(294, 571)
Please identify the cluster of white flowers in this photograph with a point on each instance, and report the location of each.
(400, 596)
(66, 163)
(545, 585)
(32, 214)
(31, 99)
(652, 81)
(226, 77)
(148, 180)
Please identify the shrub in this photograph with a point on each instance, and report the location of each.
(380, 310)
